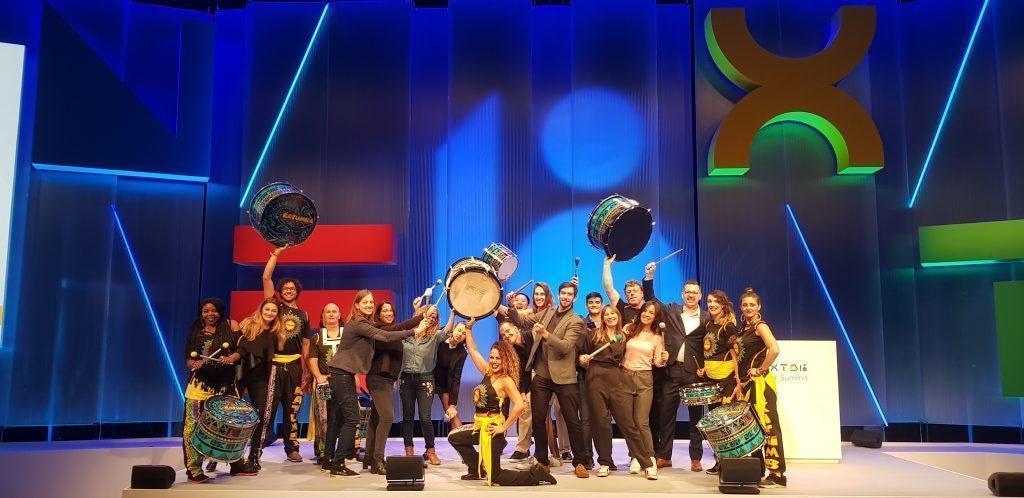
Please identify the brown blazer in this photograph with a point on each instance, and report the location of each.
(559, 348)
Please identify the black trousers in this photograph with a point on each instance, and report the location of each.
(382, 416)
(585, 421)
(541, 390)
(285, 388)
(341, 428)
(464, 441)
(667, 383)
(417, 391)
(256, 385)
(608, 398)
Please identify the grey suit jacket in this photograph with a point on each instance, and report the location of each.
(559, 348)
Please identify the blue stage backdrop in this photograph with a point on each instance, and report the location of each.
(499, 121)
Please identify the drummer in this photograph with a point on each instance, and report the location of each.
(719, 366)
(635, 292)
(292, 353)
(207, 337)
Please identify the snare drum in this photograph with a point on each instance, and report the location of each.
(502, 260)
(702, 393)
(282, 214)
(473, 288)
(732, 430)
(324, 391)
(620, 226)
(224, 428)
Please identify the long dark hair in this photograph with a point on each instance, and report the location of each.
(376, 320)
(223, 323)
(635, 326)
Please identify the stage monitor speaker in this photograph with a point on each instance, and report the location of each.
(152, 477)
(740, 476)
(404, 473)
(866, 439)
(1006, 483)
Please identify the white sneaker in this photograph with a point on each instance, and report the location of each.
(602, 471)
(526, 463)
(555, 461)
(634, 466)
(651, 473)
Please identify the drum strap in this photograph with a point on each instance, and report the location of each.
(286, 358)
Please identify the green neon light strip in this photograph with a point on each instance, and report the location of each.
(972, 243)
(1010, 335)
(730, 71)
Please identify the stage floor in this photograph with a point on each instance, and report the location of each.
(102, 468)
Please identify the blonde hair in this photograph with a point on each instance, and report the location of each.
(252, 325)
(600, 334)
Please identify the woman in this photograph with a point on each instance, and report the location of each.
(755, 350)
(210, 349)
(501, 374)
(324, 346)
(607, 392)
(645, 348)
(385, 369)
(419, 357)
(355, 354)
(718, 365)
(256, 347)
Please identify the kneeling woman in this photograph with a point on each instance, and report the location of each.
(501, 374)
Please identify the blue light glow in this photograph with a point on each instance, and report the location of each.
(145, 298)
(835, 312)
(284, 105)
(120, 172)
(949, 102)
(595, 132)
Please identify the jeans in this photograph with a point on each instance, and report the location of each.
(341, 428)
(417, 391)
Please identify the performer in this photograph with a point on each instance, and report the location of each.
(353, 358)
(755, 349)
(522, 344)
(256, 347)
(419, 357)
(207, 334)
(595, 306)
(607, 389)
(635, 291)
(718, 365)
(500, 371)
(288, 380)
(451, 360)
(645, 349)
(521, 303)
(685, 326)
(324, 346)
(553, 358)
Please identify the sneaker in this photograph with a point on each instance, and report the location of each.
(651, 473)
(342, 470)
(211, 466)
(554, 461)
(634, 466)
(602, 471)
(518, 456)
(772, 481)
(244, 471)
(199, 479)
(714, 469)
(526, 463)
(613, 468)
(471, 477)
(566, 456)
(293, 456)
(326, 465)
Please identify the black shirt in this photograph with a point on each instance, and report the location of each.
(296, 322)
(256, 356)
(213, 376)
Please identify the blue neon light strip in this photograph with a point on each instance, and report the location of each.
(835, 312)
(284, 106)
(145, 298)
(949, 102)
(120, 172)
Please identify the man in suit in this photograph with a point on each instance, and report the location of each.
(684, 340)
(556, 332)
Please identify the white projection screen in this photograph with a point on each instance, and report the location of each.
(12, 62)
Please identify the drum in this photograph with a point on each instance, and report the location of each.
(620, 226)
(323, 391)
(702, 393)
(224, 428)
(502, 260)
(732, 430)
(282, 214)
(473, 288)
(365, 410)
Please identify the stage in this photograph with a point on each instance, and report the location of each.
(102, 468)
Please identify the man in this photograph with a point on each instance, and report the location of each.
(556, 332)
(594, 305)
(521, 301)
(634, 291)
(684, 341)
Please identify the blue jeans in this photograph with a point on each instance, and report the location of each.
(417, 391)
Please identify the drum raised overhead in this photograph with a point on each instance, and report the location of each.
(502, 260)
(473, 288)
(620, 226)
(282, 214)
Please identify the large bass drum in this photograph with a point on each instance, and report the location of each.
(620, 226)
(473, 288)
(282, 214)
(224, 427)
(732, 430)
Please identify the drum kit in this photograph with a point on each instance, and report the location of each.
(732, 430)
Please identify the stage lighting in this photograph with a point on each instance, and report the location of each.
(739, 476)
(404, 473)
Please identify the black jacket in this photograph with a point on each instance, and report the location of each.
(356, 349)
(675, 333)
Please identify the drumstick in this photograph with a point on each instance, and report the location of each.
(576, 270)
(658, 262)
(430, 290)
(521, 287)
(615, 339)
(439, 299)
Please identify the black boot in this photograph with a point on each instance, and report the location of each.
(339, 469)
(377, 466)
(326, 464)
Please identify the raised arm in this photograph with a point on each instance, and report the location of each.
(609, 281)
(648, 282)
(268, 271)
(478, 361)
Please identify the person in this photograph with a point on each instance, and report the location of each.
(451, 360)
(419, 357)
(256, 348)
(289, 380)
(608, 397)
(521, 301)
(635, 291)
(354, 358)
(553, 358)
(497, 388)
(645, 349)
(755, 350)
(595, 306)
(210, 353)
(718, 364)
(324, 346)
(685, 326)
(522, 344)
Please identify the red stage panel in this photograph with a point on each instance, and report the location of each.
(243, 303)
(328, 245)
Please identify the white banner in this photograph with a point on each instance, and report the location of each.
(807, 375)
(12, 59)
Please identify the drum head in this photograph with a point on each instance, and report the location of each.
(630, 234)
(474, 293)
(282, 214)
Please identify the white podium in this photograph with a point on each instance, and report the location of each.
(807, 376)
